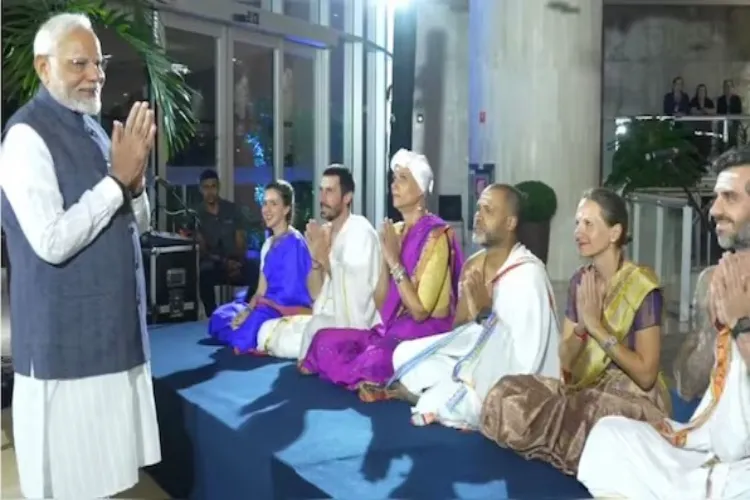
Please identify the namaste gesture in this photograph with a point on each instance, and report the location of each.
(590, 300)
(318, 239)
(390, 243)
(131, 146)
(476, 292)
(730, 292)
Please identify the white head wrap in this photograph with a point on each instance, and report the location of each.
(418, 166)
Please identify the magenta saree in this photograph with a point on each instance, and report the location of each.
(349, 356)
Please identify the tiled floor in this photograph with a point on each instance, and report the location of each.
(148, 489)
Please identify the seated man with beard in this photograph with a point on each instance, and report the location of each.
(505, 324)
(346, 265)
(708, 457)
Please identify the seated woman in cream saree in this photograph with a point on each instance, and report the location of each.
(609, 352)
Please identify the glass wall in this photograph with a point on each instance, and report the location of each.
(193, 46)
(253, 124)
(302, 86)
(298, 84)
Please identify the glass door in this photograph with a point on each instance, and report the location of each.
(252, 115)
(197, 50)
(300, 107)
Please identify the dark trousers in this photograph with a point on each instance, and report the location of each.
(215, 273)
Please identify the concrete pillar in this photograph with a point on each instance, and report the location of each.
(535, 81)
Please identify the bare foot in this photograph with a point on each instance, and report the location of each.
(371, 393)
(401, 392)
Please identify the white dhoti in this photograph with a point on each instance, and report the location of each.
(290, 337)
(345, 299)
(84, 438)
(452, 373)
(430, 375)
(437, 364)
(625, 458)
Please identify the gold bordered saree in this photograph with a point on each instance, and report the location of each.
(549, 419)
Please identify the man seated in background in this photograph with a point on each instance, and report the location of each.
(505, 324)
(222, 241)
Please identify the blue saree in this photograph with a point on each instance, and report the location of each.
(285, 263)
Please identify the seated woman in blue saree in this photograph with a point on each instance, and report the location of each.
(285, 263)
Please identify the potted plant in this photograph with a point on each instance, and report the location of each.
(637, 164)
(537, 210)
(131, 20)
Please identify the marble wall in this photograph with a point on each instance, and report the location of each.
(646, 47)
(441, 94)
(441, 102)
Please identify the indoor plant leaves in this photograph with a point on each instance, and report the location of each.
(131, 20)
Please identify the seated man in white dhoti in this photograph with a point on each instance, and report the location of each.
(346, 266)
(709, 457)
(73, 208)
(510, 329)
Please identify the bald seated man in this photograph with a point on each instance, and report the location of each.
(73, 208)
(505, 324)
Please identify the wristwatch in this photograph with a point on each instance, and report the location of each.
(742, 326)
(483, 315)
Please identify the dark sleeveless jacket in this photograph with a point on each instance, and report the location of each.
(79, 318)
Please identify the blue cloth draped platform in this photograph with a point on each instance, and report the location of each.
(240, 427)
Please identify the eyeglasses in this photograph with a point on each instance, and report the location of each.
(79, 64)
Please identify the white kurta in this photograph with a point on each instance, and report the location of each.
(624, 458)
(79, 438)
(453, 372)
(346, 299)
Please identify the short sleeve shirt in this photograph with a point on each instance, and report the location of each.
(219, 230)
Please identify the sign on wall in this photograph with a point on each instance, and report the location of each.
(480, 176)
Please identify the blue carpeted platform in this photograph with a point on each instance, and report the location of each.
(239, 427)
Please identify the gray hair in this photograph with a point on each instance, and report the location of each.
(738, 156)
(55, 28)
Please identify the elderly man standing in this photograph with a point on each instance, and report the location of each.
(73, 207)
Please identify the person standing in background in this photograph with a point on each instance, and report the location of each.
(676, 102)
(729, 103)
(73, 208)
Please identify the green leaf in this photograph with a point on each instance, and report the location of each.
(133, 21)
(632, 169)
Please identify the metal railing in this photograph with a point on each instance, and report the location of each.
(667, 236)
(714, 134)
(722, 123)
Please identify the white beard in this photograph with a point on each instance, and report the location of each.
(86, 106)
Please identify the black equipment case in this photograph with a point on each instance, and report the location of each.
(171, 269)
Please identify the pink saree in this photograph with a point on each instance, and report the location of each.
(348, 356)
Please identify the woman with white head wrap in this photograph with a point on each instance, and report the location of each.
(416, 293)
(412, 179)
